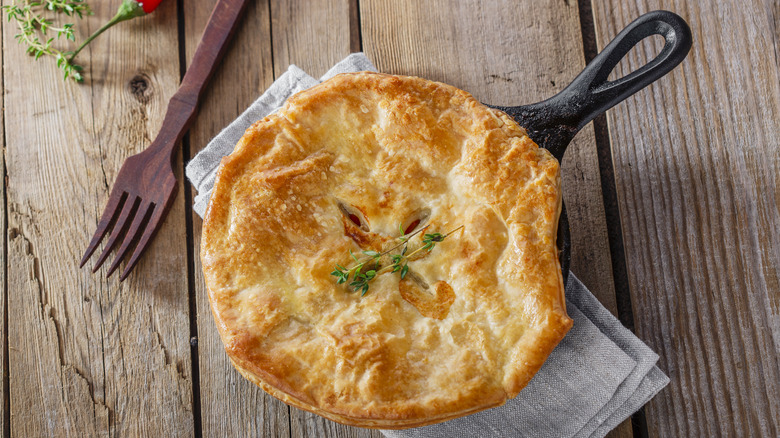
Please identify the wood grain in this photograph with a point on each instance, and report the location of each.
(90, 356)
(697, 168)
(306, 424)
(773, 11)
(230, 404)
(3, 271)
(314, 35)
(512, 54)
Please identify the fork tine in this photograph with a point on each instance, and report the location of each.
(149, 231)
(113, 206)
(119, 228)
(141, 216)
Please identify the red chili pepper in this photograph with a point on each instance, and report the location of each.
(150, 5)
(127, 10)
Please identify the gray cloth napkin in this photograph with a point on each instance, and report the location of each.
(598, 375)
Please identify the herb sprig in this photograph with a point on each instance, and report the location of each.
(399, 262)
(40, 33)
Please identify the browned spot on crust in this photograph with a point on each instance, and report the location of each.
(435, 306)
(384, 200)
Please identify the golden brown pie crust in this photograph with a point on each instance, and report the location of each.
(391, 149)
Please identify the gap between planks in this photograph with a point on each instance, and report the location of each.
(6, 419)
(193, 314)
(612, 213)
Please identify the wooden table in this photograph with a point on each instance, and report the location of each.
(673, 199)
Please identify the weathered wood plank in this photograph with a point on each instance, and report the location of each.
(313, 36)
(773, 11)
(305, 424)
(4, 266)
(697, 168)
(90, 356)
(230, 404)
(505, 53)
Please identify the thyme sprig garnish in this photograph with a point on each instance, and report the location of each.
(40, 33)
(399, 262)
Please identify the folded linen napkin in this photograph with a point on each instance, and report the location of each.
(597, 376)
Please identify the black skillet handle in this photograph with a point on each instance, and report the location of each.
(554, 122)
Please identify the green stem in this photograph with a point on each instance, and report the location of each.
(409, 256)
(387, 268)
(127, 10)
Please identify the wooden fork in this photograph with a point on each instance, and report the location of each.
(146, 186)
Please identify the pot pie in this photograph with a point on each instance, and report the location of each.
(339, 174)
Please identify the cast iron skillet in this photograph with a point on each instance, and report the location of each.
(553, 123)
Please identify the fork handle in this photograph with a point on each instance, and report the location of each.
(212, 47)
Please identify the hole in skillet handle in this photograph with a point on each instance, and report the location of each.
(553, 123)
(563, 240)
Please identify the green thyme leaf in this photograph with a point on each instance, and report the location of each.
(40, 33)
(404, 271)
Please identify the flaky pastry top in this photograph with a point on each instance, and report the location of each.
(344, 166)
